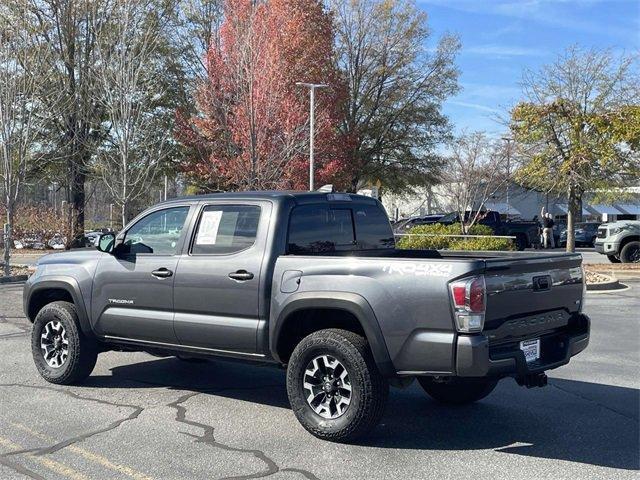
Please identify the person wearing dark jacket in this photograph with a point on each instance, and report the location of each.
(547, 230)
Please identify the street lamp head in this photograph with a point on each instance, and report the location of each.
(311, 85)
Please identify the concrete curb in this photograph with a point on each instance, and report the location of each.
(13, 279)
(612, 285)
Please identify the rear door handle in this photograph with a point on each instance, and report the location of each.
(241, 275)
(162, 273)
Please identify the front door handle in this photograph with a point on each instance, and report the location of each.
(241, 275)
(162, 273)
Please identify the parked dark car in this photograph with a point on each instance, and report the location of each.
(586, 233)
(526, 233)
(311, 282)
(403, 226)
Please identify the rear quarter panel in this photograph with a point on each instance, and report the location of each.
(408, 296)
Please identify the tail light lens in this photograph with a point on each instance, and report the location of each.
(469, 303)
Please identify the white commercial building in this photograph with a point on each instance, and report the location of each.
(519, 203)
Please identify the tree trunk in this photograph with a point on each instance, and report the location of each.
(8, 240)
(578, 216)
(77, 180)
(572, 214)
(124, 214)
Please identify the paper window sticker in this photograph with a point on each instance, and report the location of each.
(209, 225)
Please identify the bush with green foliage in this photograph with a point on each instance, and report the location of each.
(440, 242)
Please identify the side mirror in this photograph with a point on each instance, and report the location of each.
(106, 242)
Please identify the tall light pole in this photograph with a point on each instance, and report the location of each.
(312, 92)
(508, 140)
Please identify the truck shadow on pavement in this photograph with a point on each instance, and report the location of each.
(569, 420)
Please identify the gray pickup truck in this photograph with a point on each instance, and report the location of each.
(312, 282)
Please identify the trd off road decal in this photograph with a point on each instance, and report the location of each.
(418, 269)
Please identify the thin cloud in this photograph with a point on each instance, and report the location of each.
(475, 106)
(553, 13)
(494, 50)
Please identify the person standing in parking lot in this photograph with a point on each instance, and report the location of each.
(547, 230)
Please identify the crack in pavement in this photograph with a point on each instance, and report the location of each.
(20, 469)
(208, 438)
(587, 399)
(137, 410)
(24, 329)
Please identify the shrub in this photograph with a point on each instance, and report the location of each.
(440, 242)
(38, 222)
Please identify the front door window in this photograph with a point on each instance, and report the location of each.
(157, 233)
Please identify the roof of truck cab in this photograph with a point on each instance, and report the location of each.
(275, 195)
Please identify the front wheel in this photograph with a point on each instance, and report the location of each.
(613, 259)
(458, 390)
(61, 352)
(334, 386)
(630, 253)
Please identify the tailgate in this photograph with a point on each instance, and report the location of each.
(532, 295)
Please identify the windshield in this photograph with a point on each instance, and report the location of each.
(449, 217)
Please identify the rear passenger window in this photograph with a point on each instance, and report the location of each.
(226, 229)
(373, 230)
(320, 229)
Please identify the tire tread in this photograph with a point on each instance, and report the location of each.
(375, 387)
(83, 351)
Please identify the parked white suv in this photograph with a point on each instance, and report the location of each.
(619, 241)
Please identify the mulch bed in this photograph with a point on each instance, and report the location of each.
(17, 273)
(594, 277)
(612, 267)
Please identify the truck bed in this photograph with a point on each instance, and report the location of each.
(528, 295)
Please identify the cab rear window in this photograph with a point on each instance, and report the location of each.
(324, 229)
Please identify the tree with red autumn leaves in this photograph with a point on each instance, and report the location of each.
(251, 130)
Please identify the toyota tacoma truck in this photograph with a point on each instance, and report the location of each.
(311, 282)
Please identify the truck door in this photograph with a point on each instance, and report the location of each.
(217, 284)
(133, 289)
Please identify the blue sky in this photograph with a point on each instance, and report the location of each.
(500, 38)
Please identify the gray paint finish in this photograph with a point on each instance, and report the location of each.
(401, 298)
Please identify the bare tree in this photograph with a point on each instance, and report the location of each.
(137, 143)
(69, 31)
(19, 109)
(396, 87)
(198, 29)
(475, 170)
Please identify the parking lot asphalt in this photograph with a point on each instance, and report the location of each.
(144, 418)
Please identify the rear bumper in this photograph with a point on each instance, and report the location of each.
(476, 357)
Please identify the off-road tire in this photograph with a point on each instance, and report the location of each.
(630, 253)
(521, 242)
(369, 388)
(458, 390)
(613, 258)
(83, 351)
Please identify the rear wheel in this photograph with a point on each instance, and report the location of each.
(521, 242)
(630, 253)
(61, 352)
(458, 390)
(334, 386)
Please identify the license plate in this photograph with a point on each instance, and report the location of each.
(531, 349)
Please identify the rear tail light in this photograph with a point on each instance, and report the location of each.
(469, 303)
